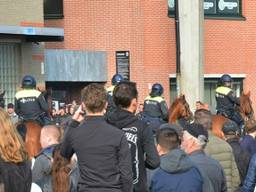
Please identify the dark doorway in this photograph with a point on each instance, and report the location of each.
(66, 92)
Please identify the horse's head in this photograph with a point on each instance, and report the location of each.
(246, 109)
(180, 109)
(2, 99)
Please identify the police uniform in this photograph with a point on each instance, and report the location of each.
(30, 104)
(111, 105)
(156, 107)
(226, 102)
(155, 111)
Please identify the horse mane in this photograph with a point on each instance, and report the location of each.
(175, 103)
(174, 109)
(245, 103)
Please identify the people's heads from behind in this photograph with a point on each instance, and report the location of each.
(200, 105)
(54, 112)
(62, 111)
(250, 127)
(195, 137)
(94, 98)
(10, 108)
(230, 129)
(11, 145)
(156, 90)
(226, 80)
(141, 107)
(60, 171)
(50, 135)
(28, 82)
(203, 117)
(117, 78)
(167, 139)
(125, 96)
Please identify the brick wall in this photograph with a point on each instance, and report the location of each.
(230, 46)
(21, 12)
(143, 28)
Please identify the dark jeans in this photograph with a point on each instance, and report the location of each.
(153, 122)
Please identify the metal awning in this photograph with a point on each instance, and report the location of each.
(32, 34)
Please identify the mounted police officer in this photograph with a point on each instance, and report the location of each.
(30, 103)
(155, 109)
(227, 100)
(117, 78)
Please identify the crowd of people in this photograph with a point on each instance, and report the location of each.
(112, 143)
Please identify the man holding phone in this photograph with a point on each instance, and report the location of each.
(102, 150)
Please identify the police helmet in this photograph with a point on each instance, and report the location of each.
(117, 78)
(28, 81)
(157, 90)
(226, 78)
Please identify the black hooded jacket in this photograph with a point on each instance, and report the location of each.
(141, 143)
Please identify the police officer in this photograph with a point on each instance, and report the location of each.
(117, 78)
(30, 103)
(227, 101)
(155, 108)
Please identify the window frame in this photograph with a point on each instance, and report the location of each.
(59, 15)
(217, 15)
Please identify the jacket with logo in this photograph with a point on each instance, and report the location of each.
(156, 107)
(141, 143)
(30, 104)
(226, 100)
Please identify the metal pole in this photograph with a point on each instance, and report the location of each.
(177, 36)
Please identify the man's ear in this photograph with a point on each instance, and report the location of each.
(106, 105)
(159, 150)
(134, 104)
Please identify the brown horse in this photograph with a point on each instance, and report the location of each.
(180, 110)
(245, 110)
(30, 131)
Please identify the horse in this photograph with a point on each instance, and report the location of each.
(30, 130)
(180, 111)
(245, 109)
(2, 105)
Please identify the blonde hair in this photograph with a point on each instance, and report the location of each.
(11, 145)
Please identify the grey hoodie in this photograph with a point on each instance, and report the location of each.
(176, 161)
(177, 173)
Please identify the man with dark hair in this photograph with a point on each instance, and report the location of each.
(139, 136)
(242, 157)
(10, 110)
(102, 150)
(248, 142)
(219, 150)
(177, 172)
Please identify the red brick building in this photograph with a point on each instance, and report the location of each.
(144, 29)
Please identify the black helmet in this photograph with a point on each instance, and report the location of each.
(117, 78)
(226, 78)
(28, 81)
(157, 90)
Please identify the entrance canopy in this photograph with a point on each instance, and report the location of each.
(33, 34)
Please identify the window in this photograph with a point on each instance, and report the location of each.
(215, 8)
(53, 9)
(210, 84)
